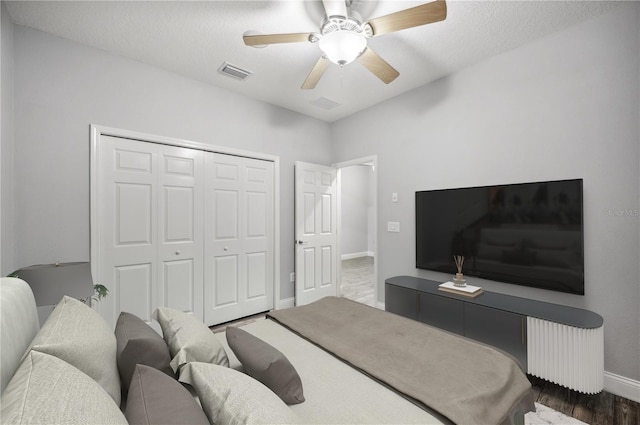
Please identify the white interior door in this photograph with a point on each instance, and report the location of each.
(150, 218)
(239, 235)
(316, 255)
(180, 229)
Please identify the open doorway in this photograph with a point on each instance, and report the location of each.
(357, 230)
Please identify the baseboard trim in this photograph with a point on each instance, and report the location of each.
(379, 305)
(286, 303)
(356, 255)
(622, 386)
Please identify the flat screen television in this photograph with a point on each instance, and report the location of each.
(526, 234)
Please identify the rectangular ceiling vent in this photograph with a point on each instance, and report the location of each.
(324, 103)
(234, 71)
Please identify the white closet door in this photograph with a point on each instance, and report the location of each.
(180, 229)
(239, 214)
(150, 227)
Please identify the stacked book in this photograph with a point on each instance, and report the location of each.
(466, 290)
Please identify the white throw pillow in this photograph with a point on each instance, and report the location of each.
(79, 336)
(189, 340)
(230, 397)
(47, 390)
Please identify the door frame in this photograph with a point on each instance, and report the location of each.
(343, 164)
(97, 131)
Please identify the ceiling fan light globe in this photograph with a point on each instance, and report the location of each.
(342, 47)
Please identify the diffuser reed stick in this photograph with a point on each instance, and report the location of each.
(459, 259)
(458, 280)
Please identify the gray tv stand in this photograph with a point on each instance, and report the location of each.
(562, 344)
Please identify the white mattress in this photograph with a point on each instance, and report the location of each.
(335, 393)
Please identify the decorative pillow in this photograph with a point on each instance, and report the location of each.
(47, 390)
(266, 364)
(138, 343)
(79, 336)
(230, 397)
(189, 340)
(155, 398)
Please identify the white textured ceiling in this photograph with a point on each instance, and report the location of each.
(195, 38)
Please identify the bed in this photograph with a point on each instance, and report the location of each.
(286, 368)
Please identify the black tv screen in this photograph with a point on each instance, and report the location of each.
(527, 234)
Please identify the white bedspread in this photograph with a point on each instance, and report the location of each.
(335, 393)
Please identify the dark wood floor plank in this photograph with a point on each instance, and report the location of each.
(598, 409)
(603, 409)
(625, 412)
(557, 398)
(537, 386)
(584, 407)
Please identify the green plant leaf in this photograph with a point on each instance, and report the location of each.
(101, 291)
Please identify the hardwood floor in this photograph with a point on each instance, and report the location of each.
(599, 409)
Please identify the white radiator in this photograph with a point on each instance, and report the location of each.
(566, 355)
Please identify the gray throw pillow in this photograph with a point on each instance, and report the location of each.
(138, 343)
(155, 398)
(266, 364)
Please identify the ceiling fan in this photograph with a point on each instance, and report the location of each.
(343, 37)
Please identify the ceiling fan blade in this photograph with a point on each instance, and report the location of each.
(335, 7)
(316, 73)
(409, 18)
(378, 66)
(264, 39)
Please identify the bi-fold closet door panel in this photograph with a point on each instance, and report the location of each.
(183, 228)
(151, 205)
(239, 235)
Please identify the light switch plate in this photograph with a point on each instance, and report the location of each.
(393, 226)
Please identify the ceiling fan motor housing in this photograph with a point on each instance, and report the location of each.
(343, 39)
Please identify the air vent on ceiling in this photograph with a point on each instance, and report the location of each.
(324, 103)
(234, 71)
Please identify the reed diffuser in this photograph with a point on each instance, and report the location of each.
(459, 279)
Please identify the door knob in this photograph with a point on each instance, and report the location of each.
(301, 242)
(178, 252)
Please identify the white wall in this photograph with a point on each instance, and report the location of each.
(62, 87)
(7, 260)
(567, 106)
(356, 203)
